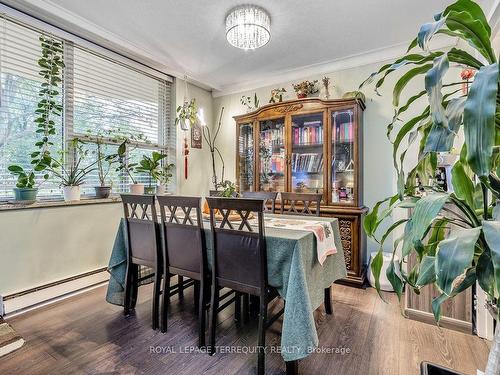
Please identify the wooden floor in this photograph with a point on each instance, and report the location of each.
(86, 335)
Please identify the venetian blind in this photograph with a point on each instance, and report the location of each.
(105, 95)
(19, 52)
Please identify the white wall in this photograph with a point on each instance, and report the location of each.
(42, 245)
(199, 161)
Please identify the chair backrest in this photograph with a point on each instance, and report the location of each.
(269, 197)
(306, 201)
(184, 242)
(143, 236)
(239, 248)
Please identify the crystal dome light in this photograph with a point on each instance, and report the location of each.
(248, 27)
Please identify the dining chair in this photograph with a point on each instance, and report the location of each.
(143, 248)
(269, 197)
(240, 262)
(184, 253)
(305, 203)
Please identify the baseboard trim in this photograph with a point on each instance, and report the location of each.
(445, 322)
(27, 300)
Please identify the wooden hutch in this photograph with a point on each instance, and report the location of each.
(310, 145)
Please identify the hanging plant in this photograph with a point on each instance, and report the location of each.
(187, 114)
(51, 67)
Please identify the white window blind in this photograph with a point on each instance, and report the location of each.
(98, 93)
(108, 96)
(19, 52)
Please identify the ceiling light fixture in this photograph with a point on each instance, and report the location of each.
(248, 27)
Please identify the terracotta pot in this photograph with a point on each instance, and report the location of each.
(137, 189)
(301, 95)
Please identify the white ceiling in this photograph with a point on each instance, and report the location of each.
(188, 36)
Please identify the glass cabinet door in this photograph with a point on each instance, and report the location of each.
(246, 159)
(343, 159)
(272, 155)
(307, 153)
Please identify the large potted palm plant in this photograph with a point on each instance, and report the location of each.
(455, 236)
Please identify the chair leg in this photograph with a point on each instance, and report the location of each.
(246, 306)
(237, 307)
(261, 361)
(214, 305)
(328, 300)
(134, 286)
(165, 300)
(201, 313)
(156, 298)
(180, 280)
(292, 367)
(128, 289)
(196, 294)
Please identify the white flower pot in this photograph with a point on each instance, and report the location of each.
(385, 284)
(71, 193)
(160, 189)
(137, 189)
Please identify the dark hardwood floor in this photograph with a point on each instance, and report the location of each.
(86, 335)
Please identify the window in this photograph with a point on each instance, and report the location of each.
(99, 95)
(107, 96)
(19, 52)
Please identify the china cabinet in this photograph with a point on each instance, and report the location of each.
(310, 146)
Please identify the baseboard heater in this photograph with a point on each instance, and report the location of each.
(29, 299)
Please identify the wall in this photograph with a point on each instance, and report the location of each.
(42, 245)
(199, 164)
(379, 176)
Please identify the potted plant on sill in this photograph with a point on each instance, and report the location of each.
(51, 65)
(151, 166)
(72, 173)
(104, 161)
(455, 237)
(127, 144)
(164, 178)
(305, 88)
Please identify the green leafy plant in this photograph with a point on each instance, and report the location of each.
(104, 162)
(455, 237)
(228, 189)
(165, 174)
(128, 142)
(247, 102)
(72, 173)
(51, 64)
(151, 165)
(187, 114)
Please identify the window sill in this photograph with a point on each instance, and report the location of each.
(10, 206)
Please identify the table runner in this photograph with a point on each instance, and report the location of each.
(325, 241)
(293, 269)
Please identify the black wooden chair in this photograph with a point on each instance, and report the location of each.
(269, 198)
(143, 248)
(300, 203)
(240, 262)
(184, 253)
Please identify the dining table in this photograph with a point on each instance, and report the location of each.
(293, 269)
